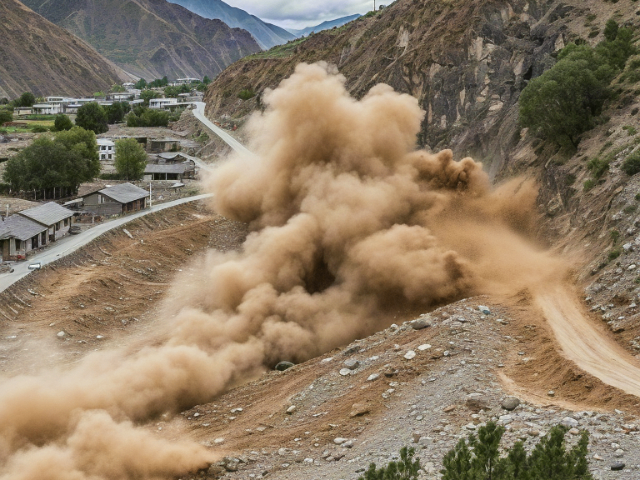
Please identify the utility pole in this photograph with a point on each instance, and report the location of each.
(374, 5)
(150, 204)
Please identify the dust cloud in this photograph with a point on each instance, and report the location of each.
(351, 230)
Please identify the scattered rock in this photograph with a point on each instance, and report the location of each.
(475, 404)
(359, 409)
(339, 440)
(282, 366)
(215, 470)
(372, 377)
(345, 371)
(510, 403)
(551, 393)
(484, 310)
(569, 422)
(574, 431)
(218, 441)
(231, 464)
(619, 453)
(424, 347)
(617, 466)
(420, 323)
(352, 364)
(410, 355)
(291, 409)
(61, 334)
(448, 409)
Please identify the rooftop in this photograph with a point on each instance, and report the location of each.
(166, 168)
(47, 214)
(124, 193)
(20, 227)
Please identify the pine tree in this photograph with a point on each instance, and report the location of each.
(405, 469)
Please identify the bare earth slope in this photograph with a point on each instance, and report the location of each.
(38, 56)
(151, 38)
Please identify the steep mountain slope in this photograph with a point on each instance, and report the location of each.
(266, 34)
(151, 38)
(338, 22)
(467, 63)
(38, 56)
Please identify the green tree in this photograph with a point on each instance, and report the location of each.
(479, 458)
(116, 112)
(141, 84)
(404, 469)
(65, 161)
(172, 91)
(91, 116)
(147, 95)
(131, 159)
(62, 122)
(146, 117)
(566, 100)
(611, 30)
(115, 88)
(5, 116)
(206, 80)
(27, 99)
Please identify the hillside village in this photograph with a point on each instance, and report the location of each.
(169, 164)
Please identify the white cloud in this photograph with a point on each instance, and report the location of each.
(304, 13)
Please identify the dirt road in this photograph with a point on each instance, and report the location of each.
(585, 344)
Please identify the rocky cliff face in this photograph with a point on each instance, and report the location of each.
(466, 61)
(151, 38)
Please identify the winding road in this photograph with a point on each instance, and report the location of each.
(585, 344)
(232, 142)
(71, 243)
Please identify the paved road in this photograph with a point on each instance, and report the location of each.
(199, 163)
(229, 140)
(71, 243)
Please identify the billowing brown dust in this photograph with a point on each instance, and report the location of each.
(350, 227)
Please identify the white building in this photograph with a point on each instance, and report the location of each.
(47, 108)
(162, 103)
(106, 149)
(186, 81)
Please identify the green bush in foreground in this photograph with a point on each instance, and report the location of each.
(404, 469)
(479, 458)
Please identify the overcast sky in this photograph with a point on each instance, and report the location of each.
(303, 13)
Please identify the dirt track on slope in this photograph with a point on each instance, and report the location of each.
(583, 343)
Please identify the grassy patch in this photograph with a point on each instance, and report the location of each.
(279, 51)
(615, 253)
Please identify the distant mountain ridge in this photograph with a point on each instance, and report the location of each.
(338, 22)
(42, 58)
(266, 34)
(151, 38)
